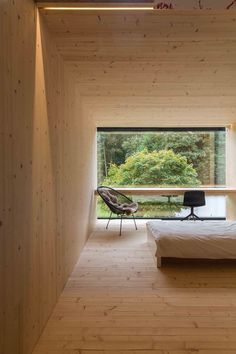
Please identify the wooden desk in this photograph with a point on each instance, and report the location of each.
(175, 191)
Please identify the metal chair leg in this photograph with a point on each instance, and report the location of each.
(186, 217)
(191, 216)
(120, 224)
(134, 222)
(109, 220)
(195, 217)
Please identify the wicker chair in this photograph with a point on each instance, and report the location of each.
(118, 204)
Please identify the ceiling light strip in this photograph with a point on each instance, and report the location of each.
(105, 8)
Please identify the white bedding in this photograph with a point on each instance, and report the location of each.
(194, 239)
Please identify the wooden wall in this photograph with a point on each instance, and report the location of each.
(18, 48)
(231, 171)
(42, 223)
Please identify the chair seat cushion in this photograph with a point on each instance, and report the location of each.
(129, 208)
(126, 208)
(117, 206)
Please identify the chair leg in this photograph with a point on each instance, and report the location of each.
(186, 217)
(134, 222)
(196, 217)
(109, 220)
(120, 224)
(191, 216)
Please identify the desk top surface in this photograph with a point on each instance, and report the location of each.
(168, 191)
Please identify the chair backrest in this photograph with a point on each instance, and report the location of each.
(194, 198)
(113, 198)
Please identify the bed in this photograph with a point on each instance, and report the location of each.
(192, 239)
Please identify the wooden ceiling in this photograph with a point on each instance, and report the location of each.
(179, 66)
(161, 5)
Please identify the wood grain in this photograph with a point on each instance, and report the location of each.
(42, 226)
(159, 5)
(171, 68)
(116, 301)
(175, 191)
(62, 77)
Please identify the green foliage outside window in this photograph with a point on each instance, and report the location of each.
(204, 150)
(154, 168)
(159, 159)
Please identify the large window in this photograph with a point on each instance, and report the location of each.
(162, 158)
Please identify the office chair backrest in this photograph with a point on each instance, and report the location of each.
(194, 198)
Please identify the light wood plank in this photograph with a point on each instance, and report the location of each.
(186, 306)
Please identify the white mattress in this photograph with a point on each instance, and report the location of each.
(194, 239)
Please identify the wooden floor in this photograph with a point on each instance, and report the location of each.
(116, 301)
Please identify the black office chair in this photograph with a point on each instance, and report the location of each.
(193, 199)
(118, 204)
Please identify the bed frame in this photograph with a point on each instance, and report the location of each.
(203, 240)
(153, 248)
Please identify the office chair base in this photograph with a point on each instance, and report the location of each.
(192, 216)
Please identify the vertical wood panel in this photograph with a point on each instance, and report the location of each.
(40, 239)
(18, 50)
(231, 171)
